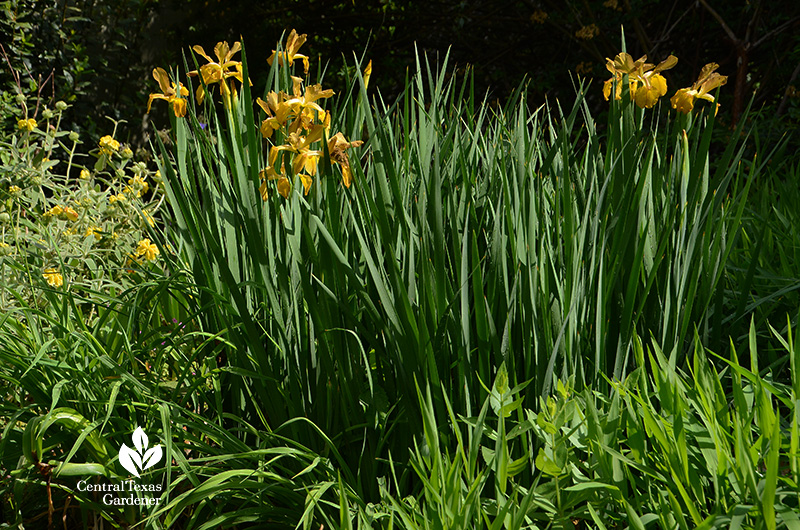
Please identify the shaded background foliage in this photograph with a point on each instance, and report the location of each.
(99, 54)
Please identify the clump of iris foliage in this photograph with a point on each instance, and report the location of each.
(424, 313)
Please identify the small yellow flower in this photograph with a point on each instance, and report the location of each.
(171, 93)
(127, 153)
(583, 68)
(55, 211)
(139, 185)
(53, 278)
(539, 16)
(588, 32)
(683, 100)
(146, 250)
(14, 190)
(6, 249)
(93, 231)
(118, 197)
(67, 213)
(29, 124)
(108, 145)
(293, 43)
(85, 175)
(148, 218)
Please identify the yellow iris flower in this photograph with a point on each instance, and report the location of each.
(337, 147)
(683, 100)
(220, 70)
(278, 113)
(304, 103)
(646, 84)
(171, 93)
(290, 55)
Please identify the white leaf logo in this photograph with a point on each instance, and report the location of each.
(141, 458)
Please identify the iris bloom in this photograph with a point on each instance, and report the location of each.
(278, 113)
(337, 147)
(171, 93)
(646, 84)
(290, 54)
(270, 173)
(305, 103)
(220, 70)
(683, 100)
(367, 73)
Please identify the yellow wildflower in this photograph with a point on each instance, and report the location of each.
(108, 145)
(146, 250)
(290, 54)
(683, 100)
(588, 32)
(69, 214)
(53, 278)
(93, 231)
(171, 93)
(138, 185)
(583, 68)
(148, 218)
(85, 175)
(55, 211)
(14, 190)
(539, 16)
(118, 197)
(29, 124)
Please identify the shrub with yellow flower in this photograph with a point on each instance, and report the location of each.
(146, 250)
(53, 277)
(588, 32)
(29, 124)
(108, 145)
